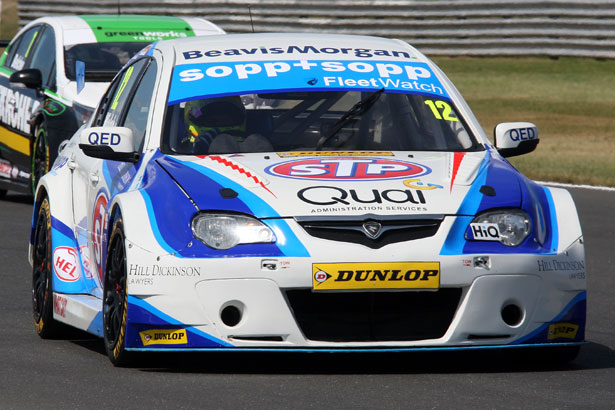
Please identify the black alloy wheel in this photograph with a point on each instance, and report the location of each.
(40, 155)
(115, 297)
(42, 291)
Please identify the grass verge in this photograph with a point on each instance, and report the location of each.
(571, 100)
(9, 20)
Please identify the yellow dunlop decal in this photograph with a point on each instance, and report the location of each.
(565, 330)
(333, 153)
(164, 337)
(381, 275)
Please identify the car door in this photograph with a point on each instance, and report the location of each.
(96, 181)
(16, 107)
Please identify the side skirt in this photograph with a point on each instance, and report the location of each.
(81, 311)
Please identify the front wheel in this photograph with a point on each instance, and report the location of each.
(42, 291)
(115, 297)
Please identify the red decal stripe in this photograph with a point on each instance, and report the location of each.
(457, 158)
(237, 168)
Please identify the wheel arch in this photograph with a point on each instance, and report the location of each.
(135, 217)
(60, 126)
(41, 193)
(114, 213)
(116, 210)
(38, 117)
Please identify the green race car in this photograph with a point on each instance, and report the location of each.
(52, 75)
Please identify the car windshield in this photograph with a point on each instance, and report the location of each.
(102, 60)
(315, 120)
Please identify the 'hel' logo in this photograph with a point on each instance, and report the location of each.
(321, 276)
(372, 229)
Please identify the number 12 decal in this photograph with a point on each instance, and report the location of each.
(445, 109)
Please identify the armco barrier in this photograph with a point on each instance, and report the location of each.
(437, 27)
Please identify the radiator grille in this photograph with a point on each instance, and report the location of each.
(361, 231)
(374, 316)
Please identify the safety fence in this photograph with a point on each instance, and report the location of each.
(437, 27)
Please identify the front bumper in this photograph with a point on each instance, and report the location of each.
(268, 303)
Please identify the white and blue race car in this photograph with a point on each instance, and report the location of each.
(304, 193)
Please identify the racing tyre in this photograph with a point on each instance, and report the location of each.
(2, 193)
(40, 155)
(42, 290)
(115, 295)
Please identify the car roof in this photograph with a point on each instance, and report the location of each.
(288, 46)
(144, 28)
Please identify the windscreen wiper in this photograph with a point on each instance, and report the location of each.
(357, 109)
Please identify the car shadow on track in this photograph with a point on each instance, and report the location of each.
(592, 356)
(484, 361)
(18, 198)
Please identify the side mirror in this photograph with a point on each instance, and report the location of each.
(515, 138)
(30, 78)
(114, 143)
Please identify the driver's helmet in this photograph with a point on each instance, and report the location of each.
(204, 119)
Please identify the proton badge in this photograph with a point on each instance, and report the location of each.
(372, 229)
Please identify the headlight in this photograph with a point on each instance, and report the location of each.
(224, 231)
(508, 226)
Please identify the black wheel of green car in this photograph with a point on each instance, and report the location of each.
(40, 155)
(115, 297)
(42, 291)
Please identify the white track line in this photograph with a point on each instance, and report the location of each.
(559, 184)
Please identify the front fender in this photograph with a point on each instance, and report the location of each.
(138, 229)
(567, 219)
(55, 185)
(71, 274)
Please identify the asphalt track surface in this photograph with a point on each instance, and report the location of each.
(75, 373)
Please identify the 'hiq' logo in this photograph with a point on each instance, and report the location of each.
(485, 231)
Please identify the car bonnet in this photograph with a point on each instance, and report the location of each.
(347, 184)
